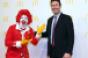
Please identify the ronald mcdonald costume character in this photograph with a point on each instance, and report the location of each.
(20, 34)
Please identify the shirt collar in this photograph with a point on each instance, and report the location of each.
(19, 27)
(58, 15)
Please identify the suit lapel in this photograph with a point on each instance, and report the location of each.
(59, 20)
(51, 20)
(50, 23)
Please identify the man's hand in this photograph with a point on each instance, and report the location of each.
(38, 36)
(67, 55)
(48, 56)
(40, 29)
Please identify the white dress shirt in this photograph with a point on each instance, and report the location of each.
(55, 20)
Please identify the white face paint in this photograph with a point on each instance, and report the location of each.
(23, 21)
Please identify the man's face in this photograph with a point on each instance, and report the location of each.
(55, 7)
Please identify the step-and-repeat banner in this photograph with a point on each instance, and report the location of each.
(41, 11)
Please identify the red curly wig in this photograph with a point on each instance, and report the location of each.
(24, 12)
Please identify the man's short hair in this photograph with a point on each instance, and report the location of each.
(57, 1)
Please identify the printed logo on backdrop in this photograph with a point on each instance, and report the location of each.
(86, 17)
(35, 2)
(19, 3)
(5, 4)
(86, 1)
(86, 34)
(5, 18)
(69, 2)
(35, 18)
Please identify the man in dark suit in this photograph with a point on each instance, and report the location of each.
(60, 33)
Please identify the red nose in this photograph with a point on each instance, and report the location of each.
(23, 22)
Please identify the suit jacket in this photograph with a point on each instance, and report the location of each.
(63, 36)
(14, 35)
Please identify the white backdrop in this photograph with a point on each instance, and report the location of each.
(41, 11)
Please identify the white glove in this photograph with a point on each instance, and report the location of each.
(18, 44)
